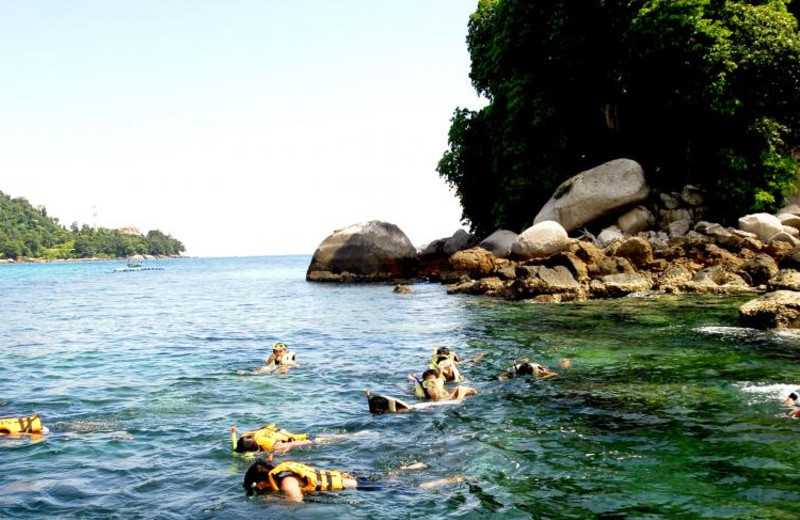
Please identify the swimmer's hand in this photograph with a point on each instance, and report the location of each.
(565, 363)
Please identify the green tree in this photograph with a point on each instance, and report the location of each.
(701, 91)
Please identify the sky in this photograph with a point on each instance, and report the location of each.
(239, 127)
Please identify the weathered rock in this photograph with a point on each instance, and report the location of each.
(500, 243)
(601, 191)
(491, 286)
(368, 251)
(434, 249)
(636, 249)
(775, 310)
(668, 216)
(618, 285)
(716, 280)
(475, 263)
(608, 235)
(679, 228)
(575, 265)
(460, 241)
(723, 237)
(402, 289)
(718, 256)
(703, 225)
(674, 276)
(778, 249)
(761, 269)
(535, 280)
(693, 195)
(791, 231)
(636, 220)
(670, 200)
(542, 239)
(506, 273)
(785, 280)
(589, 253)
(785, 237)
(789, 219)
(611, 265)
(792, 209)
(764, 225)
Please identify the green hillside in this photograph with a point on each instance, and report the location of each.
(28, 232)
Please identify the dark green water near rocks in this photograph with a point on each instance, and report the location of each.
(669, 410)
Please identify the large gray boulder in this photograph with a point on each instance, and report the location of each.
(605, 190)
(764, 225)
(542, 239)
(460, 241)
(775, 310)
(500, 243)
(364, 252)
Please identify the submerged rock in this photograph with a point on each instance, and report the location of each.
(775, 310)
(364, 252)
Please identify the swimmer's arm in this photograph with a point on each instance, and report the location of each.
(282, 447)
(433, 484)
(270, 359)
(290, 485)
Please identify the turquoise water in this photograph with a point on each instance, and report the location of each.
(669, 409)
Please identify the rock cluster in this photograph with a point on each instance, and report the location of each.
(647, 241)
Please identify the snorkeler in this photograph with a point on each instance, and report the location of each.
(793, 400)
(385, 404)
(279, 361)
(523, 367)
(431, 386)
(295, 479)
(268, 438)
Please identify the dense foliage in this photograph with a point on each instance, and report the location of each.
(700, 91)
(27, 231)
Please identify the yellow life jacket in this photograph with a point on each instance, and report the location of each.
(29, 424)
(312, 479)
(267, 436)
(421, 387)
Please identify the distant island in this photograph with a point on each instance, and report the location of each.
(27, 232)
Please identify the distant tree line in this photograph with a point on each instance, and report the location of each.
(27, 231)
(697, 91)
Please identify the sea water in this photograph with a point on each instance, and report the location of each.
(669, 410)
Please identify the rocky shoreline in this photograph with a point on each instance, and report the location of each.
(648, 242)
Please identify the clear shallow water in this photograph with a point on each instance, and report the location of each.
(669, 410)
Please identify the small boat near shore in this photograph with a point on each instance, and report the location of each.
(136, 263)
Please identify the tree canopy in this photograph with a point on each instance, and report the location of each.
(697, 91)
(27, 231)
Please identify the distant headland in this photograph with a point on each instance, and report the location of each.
(29, 234)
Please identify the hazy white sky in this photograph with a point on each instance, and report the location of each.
(239, 127)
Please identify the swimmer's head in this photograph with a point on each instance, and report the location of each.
(256, 479)
(278, 347)
(378, 404)
(429, 374)
(246, 444)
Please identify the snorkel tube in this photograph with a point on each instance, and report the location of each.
(233, 438)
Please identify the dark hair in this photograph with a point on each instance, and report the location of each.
(524, 369)
(443, 351)
(258, 472)
(793, 396)
(378, 404)
(246, 444)
(430, 372)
